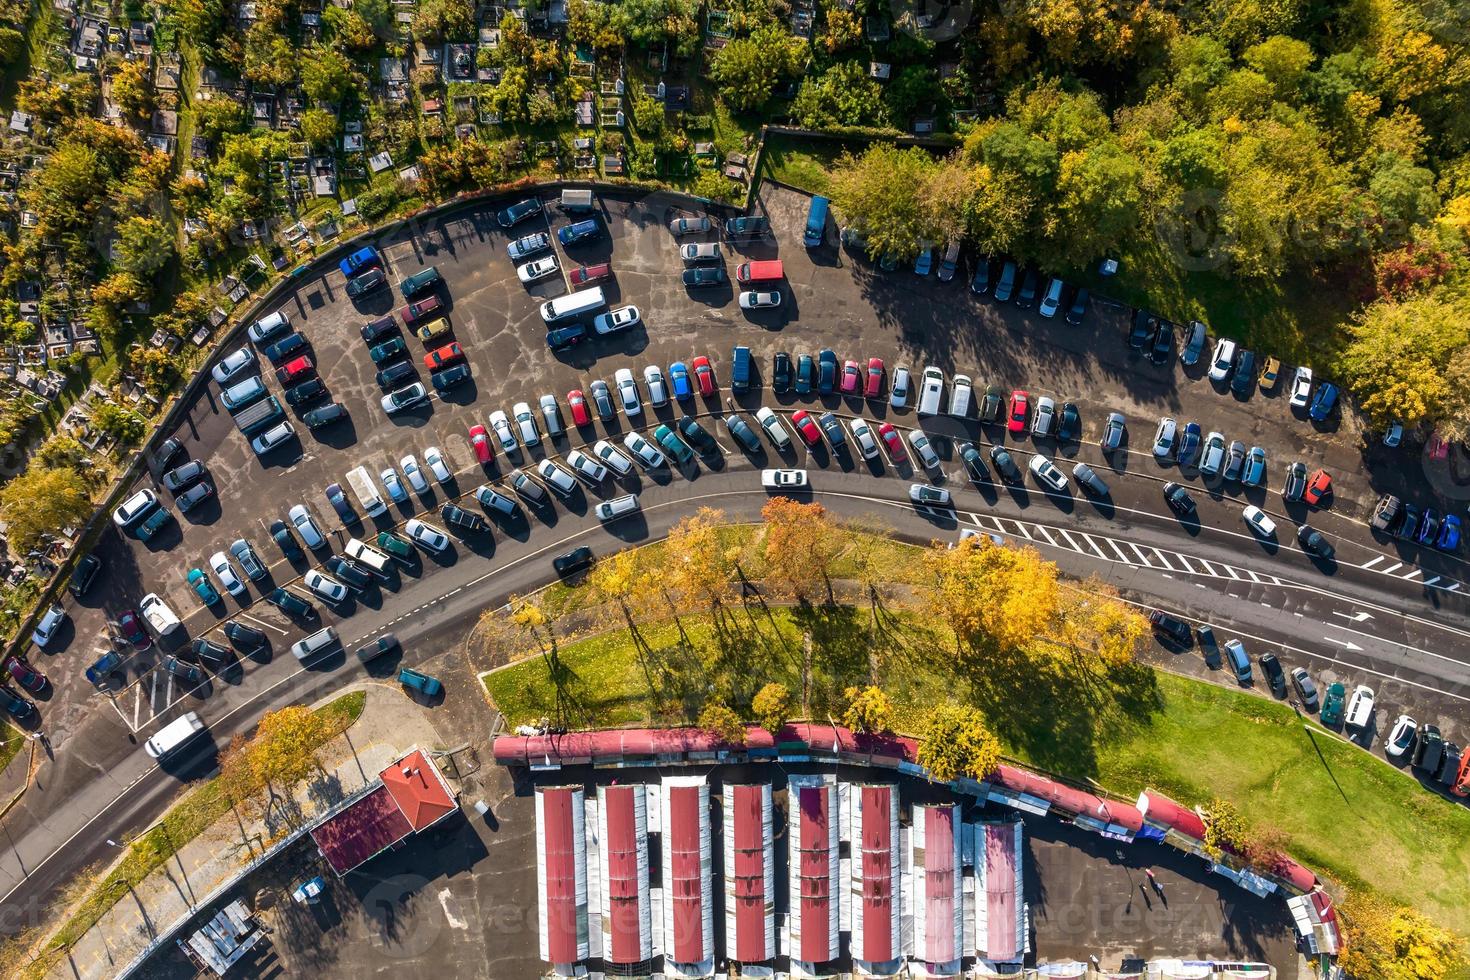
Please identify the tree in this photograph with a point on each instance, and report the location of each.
(714, 186)
(349, 28)
(720, 720)
(799, 546)
(270, 59)
(773, 706)
(438, 20)
(319, 127)
(42, 500)
(326, 76)
(283, 751)
(868, 710)
(122, 424)
(12, 43)
(882, 192)
(956, 742)
(143, 246)
(216, 118)
(748, 69)
(844, 29)
(132, 90)
(993, 599)
(1225, 829)
(699, 568)
(1396, 361)
(843, 95)
(1388, 942)
(1095, 627)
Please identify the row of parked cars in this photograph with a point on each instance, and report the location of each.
(1392, 515)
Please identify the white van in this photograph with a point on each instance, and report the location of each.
(311, 645)
(1360, 708)
(931, 391)
(171, 737)
(577, 201)
(158, 615)
(573, 305)
(959, 396)
(366, 554)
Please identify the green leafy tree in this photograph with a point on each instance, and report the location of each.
(748, 69)
(956, 742)
(843, 95)
(319, 127)
(132, 90)
(439, 20)
(773, 706)
(327, 76)
(883, 193)
(144, 245)
(217, 118)
(349, 29)
(201, 21)
(42, 500)
(844, 29)
(1396, 361)
(1389, 942)
(12, 43)
(1404, 193)
(122, 424)
(270, 59)
(714, 186)
(869, 711)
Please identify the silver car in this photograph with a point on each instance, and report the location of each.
(611, 458)
(647, 454)
(1235, 460)
(658, 390)
(526, 424)
(862, 434)
(1213, 458)
(1045, 417)
(1164, 437)
(586, 467)
(500, 422)
(557, 477)
(700, 252)
(306, 527)
(1113, 431)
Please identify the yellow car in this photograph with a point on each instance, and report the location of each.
(1270, 373)
(433, 328)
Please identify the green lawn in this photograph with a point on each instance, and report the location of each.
(804, 163)
(1345, 812)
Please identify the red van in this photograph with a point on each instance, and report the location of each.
(766, 271)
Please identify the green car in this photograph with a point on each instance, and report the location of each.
(396, 546)
(427, 686)
(199, 582)
(387, 350)
(420, 282)
(153, 524)
(672, 444)
(1332, 705)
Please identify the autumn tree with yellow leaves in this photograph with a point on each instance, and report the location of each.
(956, 742)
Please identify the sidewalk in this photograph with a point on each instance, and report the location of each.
(390, 724)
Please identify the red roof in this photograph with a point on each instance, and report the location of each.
(624, 887)
(815, 867)
(1161, 810)
(1300, 878)
(836, 738)
(366, 828)
(419, 790)
(560, 883)
(1001, 901)
(750, 874)
(877, 873)
(1069, 798)
(577, 747)
(940, 880)
(686, 825)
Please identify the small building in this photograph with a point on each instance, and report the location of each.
(563, 899)
(627, 915)
(408, 797)
(814, 869)
(750, 874)
(687, 879)
(938, 906)
(875, 888)
(1000, 929)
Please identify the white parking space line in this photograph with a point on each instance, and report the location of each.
(261, 623)
(1141, 556)
(1118, 551)
(1431, 581)
(1413, 575)
(1162, 560)
(1041, 529)
(1392, 568)
(1374, 561)
(1071, 542)
(1231, 572)
(1022, 528)
(1185, 562)
(1093, 545)
(1209, 569)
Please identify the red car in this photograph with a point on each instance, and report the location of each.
(892, 442)
(294, 370)
(875, 378)
(850, 375)
(806, 427)
(25, 675)
(132, 630)
(1319, 485)
(1017, 423)
(414, 312)
(705, 375)
(578, 404)
(590, 273)
(480, 443)
(448, 354)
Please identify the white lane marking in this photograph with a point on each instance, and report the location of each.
(1118, 551)
(1412, 575)
(262, 623)
(1071, 542)
(1390, 570)
(1022, 528)
(1162, 560)
(1231, 572)
(1141, 556)
(1093, 545)
(1345, 644)
(1431, 581)
(1208, 567)
(1254, 577)
(1184, 560)
(1373, 562)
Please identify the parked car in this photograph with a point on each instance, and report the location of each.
(1306, 688)
(1223, 360)
(1332, 704)
(1178, 499)
(1239, 662)
(1400, 737)
(1275, 676)
(1258, 521)
(1045, 472)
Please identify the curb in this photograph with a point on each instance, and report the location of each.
(20, 793)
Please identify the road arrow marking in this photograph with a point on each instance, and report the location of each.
(1356, 617)
(1345, 644)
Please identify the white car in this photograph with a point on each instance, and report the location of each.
(775, 428)
(501, 424)
(1164, 437)
(753, 299)
(52, 621)
(1400, 737)
(784, 479)
(324, 585)
(426, 535)
(611, 510)
(557, 477)
(960, 392)
(537, 269)
(622, 318)
(232, 364)
(397, 401)
(931, 391)
(1048, 474)
(1359, 708)
(225, 572)
(586, 467)
(306, 527)
(647, 454)
(1258, 521)
(926, 495)
(1222, 360)
(437, 465)
(1045, 417)
(132, 510)
(862, 434)
(628, 392)
(689, 226)
(393, 485)
(658, 389)
(526, 423)
(898, 390)
(413, 474)
(925, 452)
(613, 459)
(1301, 387)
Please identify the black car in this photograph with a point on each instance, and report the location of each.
(194, 496)
(704, 275)
(177, 479)
(573, 561)
(17, 706)
(286, 541)
(1005, 465)
(354, 575)
(211, 653)
(1449, 769)
(1245, 373)
(1163, 341)
(1429, 750)
(83, 575)
(1275, 676)
(366, 283)
(973, 461)
(376, 330)
(244, 636)
(564, 337)
(781, 373)
(1030, 282)
(369, 652)
(325, 415)
(307, 391)
(694, 432)
(1170, 627)
(185, 672)
(396, 375)
(451, 376)
(743, 433)
(1069, 423)
(1178, 499)
(833, 429)
(462, 521)
(1314, 543)
(1089, 481)
(291, 604)
(1144, 326)
(1078, 310)
(167, 455)
(285, 347)
(992, 404)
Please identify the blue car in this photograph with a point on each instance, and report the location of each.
(1428, 531)
(359, 260)
(104, 667)
(200, 584)
(563, 337)
(1449, 534)
(924, 264)
(581, 231)
(805, 372)
(1323, 401)
(1189, 443)
(826, 371)
(679, 380)
(287, 345)
(423, 683)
